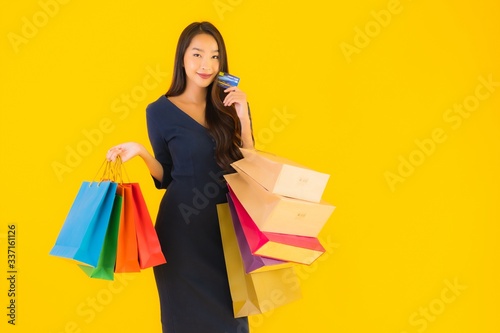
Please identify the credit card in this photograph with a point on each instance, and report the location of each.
(225, 80)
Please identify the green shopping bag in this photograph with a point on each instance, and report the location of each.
(106, 264)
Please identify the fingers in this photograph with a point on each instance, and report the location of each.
(235, 95)
(126, 151)
(231, 89)
(113, 153)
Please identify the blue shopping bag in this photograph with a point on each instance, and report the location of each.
(82, 235)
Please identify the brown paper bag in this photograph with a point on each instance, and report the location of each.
(276, 213)
(259, 292)
(282, 176)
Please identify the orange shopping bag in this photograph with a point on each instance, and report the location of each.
(127, 255)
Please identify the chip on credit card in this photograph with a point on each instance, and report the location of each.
(226, 80)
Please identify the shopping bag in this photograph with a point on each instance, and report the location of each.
(259, 292)
(82, 235)
(278, 214)
(106, 265)
(252, 262)
(282, 176)
(127, 255)
(298, 249)
(148, 245)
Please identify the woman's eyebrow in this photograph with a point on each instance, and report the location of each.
(201, 50)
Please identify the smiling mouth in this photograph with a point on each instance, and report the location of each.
(205, 76)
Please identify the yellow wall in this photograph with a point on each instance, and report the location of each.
(397, 100)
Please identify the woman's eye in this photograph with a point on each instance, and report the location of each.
(196, 55)
(215, 57)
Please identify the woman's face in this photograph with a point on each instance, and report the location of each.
(201, 60)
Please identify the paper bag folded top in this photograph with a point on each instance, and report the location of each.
(282, 176)
(276, 213)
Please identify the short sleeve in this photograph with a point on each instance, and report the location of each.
(160, 149)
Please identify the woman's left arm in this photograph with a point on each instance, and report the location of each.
(239, 99)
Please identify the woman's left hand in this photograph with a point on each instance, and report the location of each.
(239, 99)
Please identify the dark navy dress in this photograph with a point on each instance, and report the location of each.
(192, 285)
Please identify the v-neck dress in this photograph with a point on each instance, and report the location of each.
(192, 286)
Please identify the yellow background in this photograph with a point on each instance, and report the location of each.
(394, 250)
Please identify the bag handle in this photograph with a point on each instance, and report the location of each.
(112, 171)
(119, 170)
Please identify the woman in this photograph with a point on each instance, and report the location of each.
(195, 130)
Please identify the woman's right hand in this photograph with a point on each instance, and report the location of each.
(126, 151)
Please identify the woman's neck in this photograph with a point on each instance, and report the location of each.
(194, 94)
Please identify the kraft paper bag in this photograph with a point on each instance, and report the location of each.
(82, 235)
(106, 266)
(298, 249)
(252, 262)
(148, 245)
(253, 293)
(282, 176)
(278, 214)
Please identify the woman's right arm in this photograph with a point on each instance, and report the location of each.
(128, 150)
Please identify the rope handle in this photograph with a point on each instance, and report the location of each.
(113, 171)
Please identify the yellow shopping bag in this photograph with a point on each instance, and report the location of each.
(256, 292)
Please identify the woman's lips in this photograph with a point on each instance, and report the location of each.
(204, 76)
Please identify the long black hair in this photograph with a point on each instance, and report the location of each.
(222, 121)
